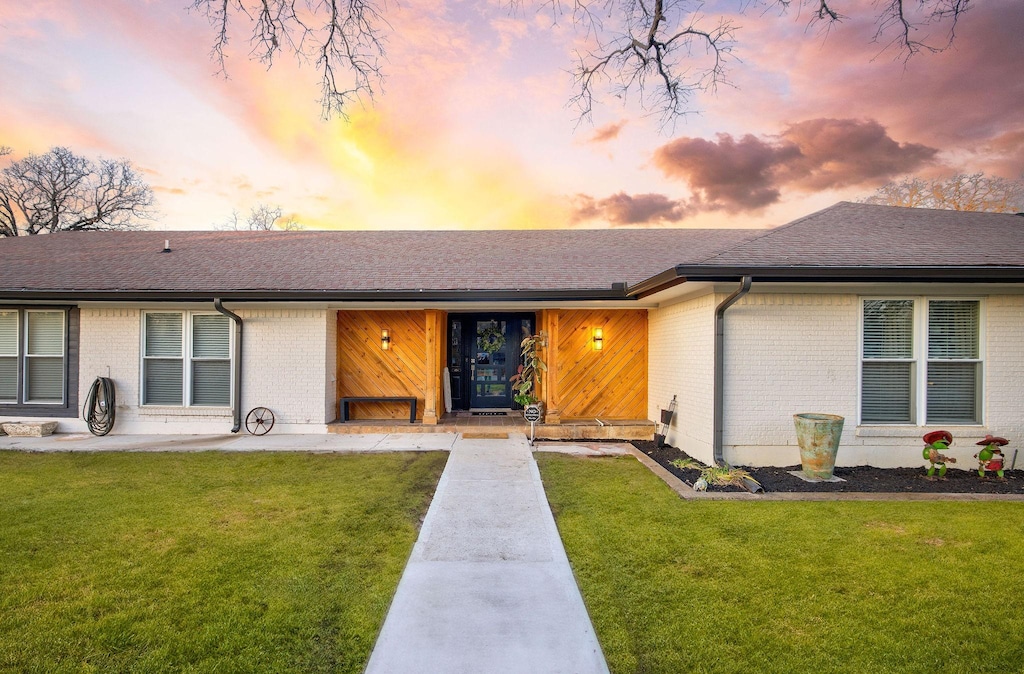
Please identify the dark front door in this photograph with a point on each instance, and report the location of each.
(483, 354)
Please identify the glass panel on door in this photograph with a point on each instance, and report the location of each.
(490, 365)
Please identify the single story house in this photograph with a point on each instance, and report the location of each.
(901, 320)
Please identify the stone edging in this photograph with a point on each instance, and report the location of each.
(687, 492)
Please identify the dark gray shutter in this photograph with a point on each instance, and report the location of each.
(9, 356)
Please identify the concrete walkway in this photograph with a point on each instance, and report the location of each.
(488, 587)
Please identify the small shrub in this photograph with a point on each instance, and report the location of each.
(716, 476)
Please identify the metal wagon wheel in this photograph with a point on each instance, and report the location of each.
(259, 421)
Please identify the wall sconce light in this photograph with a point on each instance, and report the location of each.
(385, 339)
(598, 339)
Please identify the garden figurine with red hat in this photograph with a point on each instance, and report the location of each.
(935, 443)
(991, 457)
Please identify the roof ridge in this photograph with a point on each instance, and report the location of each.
(769, 232)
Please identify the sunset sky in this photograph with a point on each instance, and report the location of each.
(472, 128)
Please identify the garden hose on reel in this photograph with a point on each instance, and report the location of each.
(99, 408)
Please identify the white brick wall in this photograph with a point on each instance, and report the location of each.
(287, 366)
(680, 363)
(784, 354)
(1004, 369)
(789, 353)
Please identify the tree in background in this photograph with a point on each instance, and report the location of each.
(61, 191)
(261, 218)
(961, 192)
(658, 52)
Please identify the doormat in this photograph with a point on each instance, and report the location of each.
(483, 435)
(490, 414)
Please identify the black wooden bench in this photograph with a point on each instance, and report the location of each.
(343, 404)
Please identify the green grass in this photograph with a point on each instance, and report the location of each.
(203, 562)
(730, 586)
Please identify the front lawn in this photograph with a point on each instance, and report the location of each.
(716, 586)
(203, 562)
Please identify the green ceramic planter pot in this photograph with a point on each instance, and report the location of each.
(818, 436)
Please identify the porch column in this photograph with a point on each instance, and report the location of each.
(430, 386)
(552, 414)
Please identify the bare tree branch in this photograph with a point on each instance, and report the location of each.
(896, 18)
(343, 39)
(662, 52)
(664, 61)
(61, 191)
(262, 217)
(961, 192)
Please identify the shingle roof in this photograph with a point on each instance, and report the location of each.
(867, 235)
(352, 260)
(846, 235)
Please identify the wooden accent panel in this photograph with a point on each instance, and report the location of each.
(434, 331)
(609, 384)
(548, 392)
(364, 369)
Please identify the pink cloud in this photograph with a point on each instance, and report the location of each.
(842, 152)
(957, 100)
(816, 154)
(1006, 154)
(625, 209)
(607, 132)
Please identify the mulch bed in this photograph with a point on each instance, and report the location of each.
(858, 479)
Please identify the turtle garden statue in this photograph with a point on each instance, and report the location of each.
(990, 458)
(934, 444)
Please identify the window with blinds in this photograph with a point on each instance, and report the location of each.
(163, 363)
(187, 360)
(44, 357)
(32, 356)
(921, 359)
(954, 362)
(211, 361)
(887, 370)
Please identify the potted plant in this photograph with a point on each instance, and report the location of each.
(524, 381)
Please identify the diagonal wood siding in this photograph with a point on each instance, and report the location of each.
(608, 384)
(364, 369)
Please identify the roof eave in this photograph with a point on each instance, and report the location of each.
(613, 294)
(821, 274)
(932, 274)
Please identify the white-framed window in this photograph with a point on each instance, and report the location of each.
(921, 361)
(32, 356)
(186, 359)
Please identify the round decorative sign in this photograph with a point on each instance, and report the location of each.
(532, 413)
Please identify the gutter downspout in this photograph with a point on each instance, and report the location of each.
(720, 374)
(236, 396)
